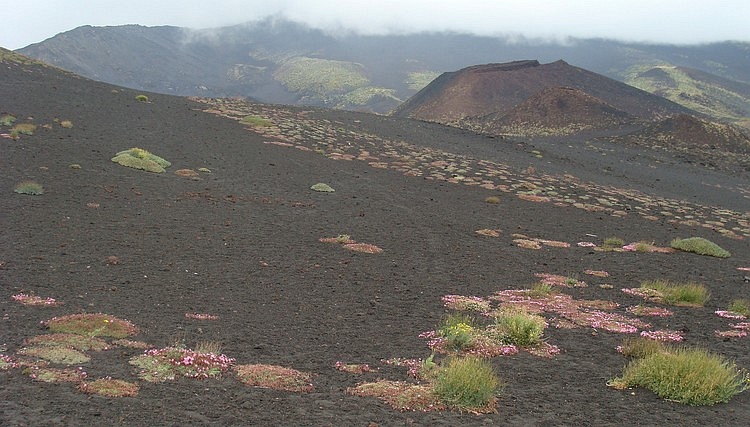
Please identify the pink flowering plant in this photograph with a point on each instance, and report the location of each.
(46, 374)
(642, 310)
(166, 364)
(34, 300)
(7, 362)
(663, 335)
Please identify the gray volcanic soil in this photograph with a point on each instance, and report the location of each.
(242, 244)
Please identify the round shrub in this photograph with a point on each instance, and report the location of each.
(467, 383)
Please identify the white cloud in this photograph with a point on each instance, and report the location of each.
(671, 21)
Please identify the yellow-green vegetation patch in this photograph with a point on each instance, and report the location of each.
(141, 98)
(31, 188)
(256, 121)
(55, 375)
(109, 387)
(74, 341)
(700, 246)
(683, 375)
(92, 325)
(56, 354)
(468, 384)
(23, 129)
(322, 187)
(204, 170)
(67, 124)
(139, 158)
(7, 362)
(7, 120)
(275, 377)
(321, 77)
(682, 294)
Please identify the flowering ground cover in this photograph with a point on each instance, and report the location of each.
(236, 258)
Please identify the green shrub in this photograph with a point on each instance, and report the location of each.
(519, 328)
(23, 129)
(256, 121)
(700, 246)
(467, 383)
(458, 332)
(67, 124)
(139, 158)
(740, 306)
(613, 242)
(32, 188)
(690, 294)
(541, 290)
(141, 98)
(7, 120)
(639, 347)
(689, 376)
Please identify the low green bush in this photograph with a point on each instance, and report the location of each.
(467, 383)
(519, 328)
(7, 120)
(23, 129)
(639, 347)
(740, 306)
(700, 246)
(139, 158)
(613, 242)
(689, 376)
(141, 98)
(31, 188)
(690, 294)
(458, 331)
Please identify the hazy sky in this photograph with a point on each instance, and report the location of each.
(665, 21)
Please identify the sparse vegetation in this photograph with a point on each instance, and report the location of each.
(492, 200)
(109, 387)
(467, 384)
(700, 246)
(141, 98)
(613, 243)
(31, 188)
(275, 377)
(166, 364)
(56, 354)
(92, 325)
(67, 124)
(689, 376)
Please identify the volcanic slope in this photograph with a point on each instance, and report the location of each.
(224, 249)
(498, 88)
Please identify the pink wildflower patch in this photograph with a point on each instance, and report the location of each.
(363, 247)
(641, 310)
(201, 316)
(7, 362)
(663, 335)
(743, 268)
(33, 300)
(557, 280)
(586, 244)
(731, 334)
(730, 315)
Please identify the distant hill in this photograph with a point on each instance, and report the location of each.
(707, 93)
(493, 97)
(285, 62)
